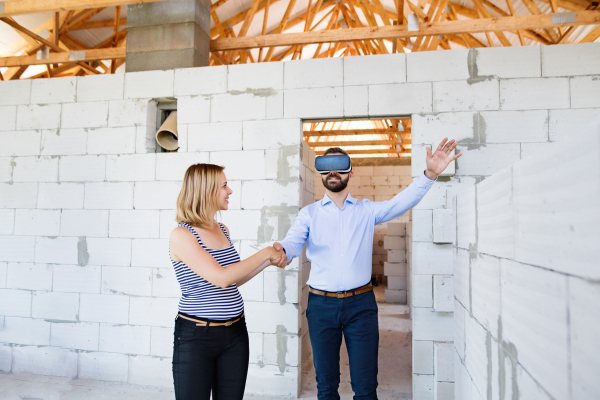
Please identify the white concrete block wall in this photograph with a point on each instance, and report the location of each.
(487, 83)
(521, 321)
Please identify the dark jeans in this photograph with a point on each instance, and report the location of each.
(356, 318)
(210, 358)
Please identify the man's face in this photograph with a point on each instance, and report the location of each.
(334, 181)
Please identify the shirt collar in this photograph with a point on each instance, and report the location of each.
(349, 199)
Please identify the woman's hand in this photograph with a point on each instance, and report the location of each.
(276, 257)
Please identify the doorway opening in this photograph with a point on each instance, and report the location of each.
(381, 157)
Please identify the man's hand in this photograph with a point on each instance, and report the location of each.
(438, 161)
(283, 259)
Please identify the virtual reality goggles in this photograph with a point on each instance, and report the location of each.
(339, 163)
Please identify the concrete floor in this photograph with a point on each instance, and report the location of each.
(395, 366)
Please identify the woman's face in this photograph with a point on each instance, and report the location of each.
(224, 192)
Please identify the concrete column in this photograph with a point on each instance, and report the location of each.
(168, 34)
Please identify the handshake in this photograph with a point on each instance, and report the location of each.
(277, 255)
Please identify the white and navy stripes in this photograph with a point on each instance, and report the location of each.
(200, 297)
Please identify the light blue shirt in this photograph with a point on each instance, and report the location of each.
(340, 242)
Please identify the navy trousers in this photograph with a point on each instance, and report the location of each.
(356, 318)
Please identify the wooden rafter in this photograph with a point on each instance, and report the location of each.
(400, 31)
(40, 6)
(65, 57)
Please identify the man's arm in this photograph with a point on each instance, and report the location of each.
(296, 237)
(411, 196)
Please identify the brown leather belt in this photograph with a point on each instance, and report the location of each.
(342, 295)
(204, 323)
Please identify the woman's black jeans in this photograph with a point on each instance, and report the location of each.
(210, 358)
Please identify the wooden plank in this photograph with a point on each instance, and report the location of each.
(534, 9)
(355, 143)
(40, 6)
(347, 132)
(376, 151)
(65, 57)
(486, 14)
(400, 31)
(246, 25)
(281, 26)
(236, 19)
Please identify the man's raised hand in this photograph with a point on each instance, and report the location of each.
(438, 161)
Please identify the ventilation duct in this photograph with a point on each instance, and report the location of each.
(166, 136)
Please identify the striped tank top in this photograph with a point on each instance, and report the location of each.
(200, 297)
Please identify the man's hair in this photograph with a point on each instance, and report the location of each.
(334, 150)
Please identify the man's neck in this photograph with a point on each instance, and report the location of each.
(338, 197)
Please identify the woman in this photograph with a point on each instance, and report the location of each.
(211, 349)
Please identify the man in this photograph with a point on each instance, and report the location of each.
(339, 230)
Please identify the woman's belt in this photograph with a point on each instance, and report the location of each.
(211, 323)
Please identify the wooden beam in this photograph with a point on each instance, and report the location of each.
(354, 143)
(104, 23)
(40, 6)
(592, 36)
(216, 5)
(233, 21)
(26, 31)
(281, 27)
(65, 57)
(247, 21)
(347, 132)
(534, 9)
(400, 31)
(376, 151)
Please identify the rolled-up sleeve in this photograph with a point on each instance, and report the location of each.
(296, 237)
(405, 200)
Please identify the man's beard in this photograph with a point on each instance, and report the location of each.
(338, 186)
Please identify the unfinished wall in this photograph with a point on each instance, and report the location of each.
(527, 291)
(501, 105)
(87, 207)
(80, 203)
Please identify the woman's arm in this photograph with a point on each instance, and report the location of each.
(185, 247)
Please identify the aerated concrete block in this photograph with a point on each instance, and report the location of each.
(443, 391)
(160, 308)
(104, 308)
(313, 73)
(161, 342)
(396, 229)
(486, 160)
(534, 93)
(444, 362)
(76, 279)
(8, 116)
(126, 339)
(237, 107)
(63, 141)
(422, 357)
(584, 304)
(389, 68)
(515, 126)
(400, 98)
(569, 124)
(495, 215)
(37, 222)
(462, 277)
(437, 66)
(133, 281)
(356, 101)
(35, 116)
(272, 134)
(585, 91)
(111, 140)
(576, 59)
(476, 356)
(35, 169)
(459, 332)
(199, 81)
(25, 331)
(60, 90)
(534, 317)
(15, 92)
(149, 84)
(150, 253)
(165, 284)
(5, 358)
(444, 229)
(394, 243)
(431, 258)
(432, 128)
(55, 305)
(24, 143)
(42, 360)
(396, 256)
(88, 223)
(172, 166)
(57, 250)
(275, 104)
(103, 366)
(100, 87)
(258, 194)
(28, 276)
(131, 167)
(7, 223)
(84, 115)
(134, 224)
(17, 248)
(507, 62)
(155, 195)
(108, 195)
(244, 77)
(396, 283)
(314, 102)
(423, 387)
(82, 168)
(485, 291)
(395, 296)
(76, 336)
(443, 293)
(241, 165)
(465, 96)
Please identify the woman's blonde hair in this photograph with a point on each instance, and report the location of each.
(197, 203)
